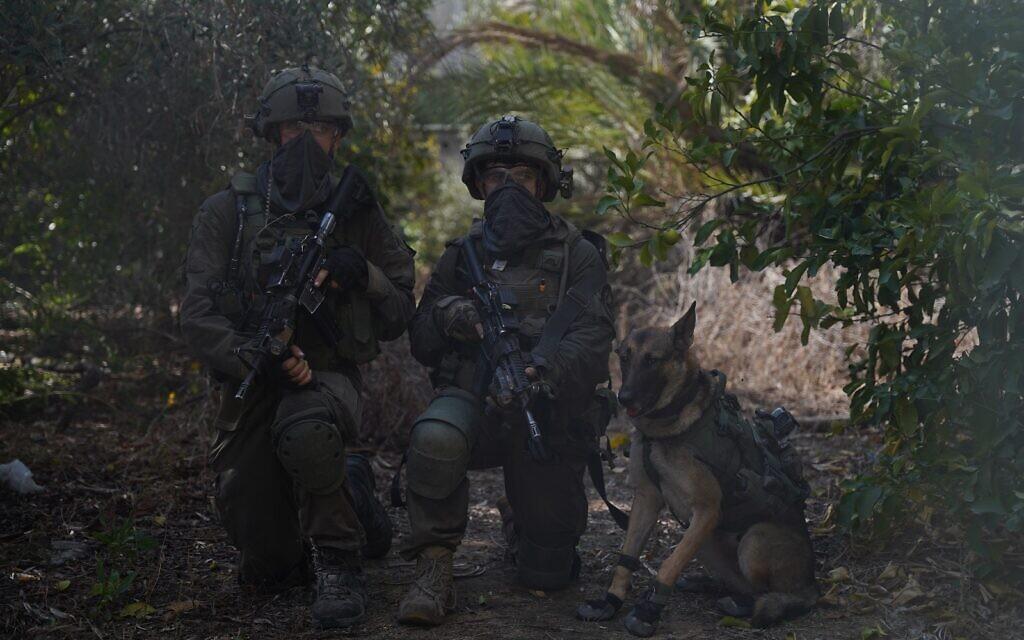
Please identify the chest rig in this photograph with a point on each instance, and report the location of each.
(258, 242)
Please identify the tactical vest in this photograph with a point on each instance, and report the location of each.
(537, 277)
(760, 476)
(241, 298)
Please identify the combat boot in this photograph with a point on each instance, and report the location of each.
(371, 513)
(340, 588)
(431, 596)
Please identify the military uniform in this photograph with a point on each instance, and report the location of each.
(461, 430)
(280, 454)
(254, 491)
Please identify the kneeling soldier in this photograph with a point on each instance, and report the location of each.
(285, 487)
(526, 408)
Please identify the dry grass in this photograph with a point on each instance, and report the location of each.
(735, 335)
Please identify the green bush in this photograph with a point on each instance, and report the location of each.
(884, 138)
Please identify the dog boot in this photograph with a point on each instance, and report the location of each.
(599, 609)
(643, 620)
(340, 588)
(371, 513)
(432, 594)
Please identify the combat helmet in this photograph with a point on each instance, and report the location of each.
(513, 139)
(301, 93)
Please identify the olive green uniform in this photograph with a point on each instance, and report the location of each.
(279, 457)
(457, 433)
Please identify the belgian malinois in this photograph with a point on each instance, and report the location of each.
(755, 546)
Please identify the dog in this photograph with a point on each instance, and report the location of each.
(745, 508)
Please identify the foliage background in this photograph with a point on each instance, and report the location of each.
(855, 164)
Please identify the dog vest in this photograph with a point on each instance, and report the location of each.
(758, 477)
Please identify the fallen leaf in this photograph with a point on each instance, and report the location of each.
(735, 623)
(831, 598)
(24, 577)
(872, 632)
(160, 520)
(910, 592)
(178, 607)
(839, 574)
(891, 572)
(137, 610)
(63, 585)
(58, 614)
(538, 593)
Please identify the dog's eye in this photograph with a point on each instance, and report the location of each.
(650, 359)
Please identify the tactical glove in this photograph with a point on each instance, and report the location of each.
(346, 266)
(457, 318)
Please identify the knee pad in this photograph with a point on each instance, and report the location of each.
(309, 446)
(546, 568)
(440, 445)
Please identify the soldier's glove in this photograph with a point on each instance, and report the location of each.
(346, 268)
(458, 319)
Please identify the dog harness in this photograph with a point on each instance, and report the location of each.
(759, 476)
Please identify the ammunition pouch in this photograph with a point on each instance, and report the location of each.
(355, 322)
(441, 443)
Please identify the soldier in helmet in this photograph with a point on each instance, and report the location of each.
(559, 280)
(286, 492)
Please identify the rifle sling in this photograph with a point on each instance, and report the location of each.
(573, 302)
(597, 477)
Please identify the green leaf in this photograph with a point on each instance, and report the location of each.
(619, 239)
(906, 416)
(645, 255)
(835, 21)
(137, 610)
(706, 230)
(606, 203)
(794, 276)
(782, 304)
(644, 200)
(608, 153)
(727, 157)
(716, 108)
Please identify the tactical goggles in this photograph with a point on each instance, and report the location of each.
(316, 127)
(523, 175)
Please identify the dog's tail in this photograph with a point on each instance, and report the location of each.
(776, 606)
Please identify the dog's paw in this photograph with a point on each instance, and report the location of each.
(599, 610)
(737, 606)
(698, 583)
(643, 619)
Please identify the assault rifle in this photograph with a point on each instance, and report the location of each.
(292, 288)
(501, 355)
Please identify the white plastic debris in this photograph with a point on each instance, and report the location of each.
(18, 478)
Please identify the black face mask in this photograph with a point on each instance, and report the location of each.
(513, 219)
(298, 175)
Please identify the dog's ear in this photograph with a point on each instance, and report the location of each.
(682, 330)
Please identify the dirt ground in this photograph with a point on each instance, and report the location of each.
(133, 497)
